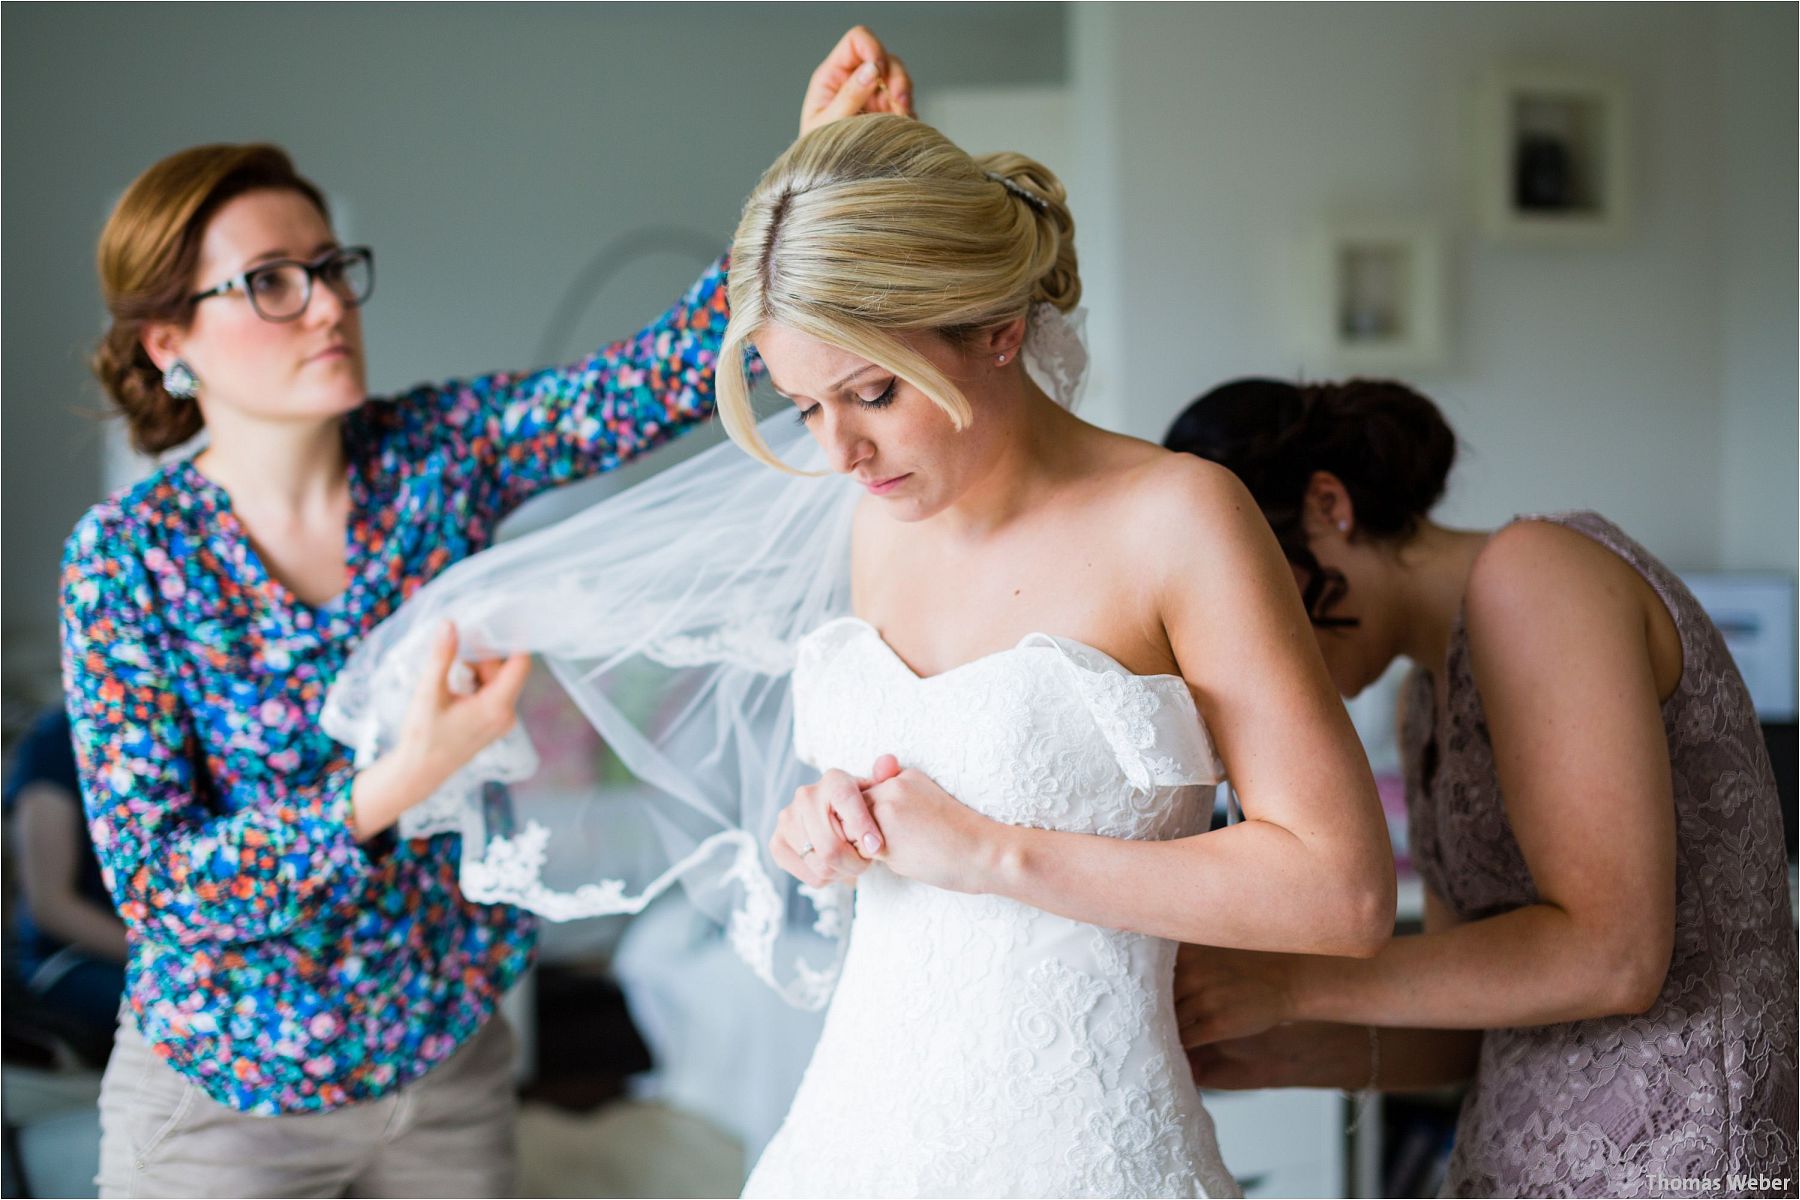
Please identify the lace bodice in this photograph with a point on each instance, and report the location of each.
(975, 1045)
(1701, 1085)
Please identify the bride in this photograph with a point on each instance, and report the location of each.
(1051, 644)
(1056, 628)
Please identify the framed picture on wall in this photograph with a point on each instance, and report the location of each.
(1553, 156)
(1368, 295)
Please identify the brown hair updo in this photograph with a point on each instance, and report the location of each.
(148, 253)
(1389, 446)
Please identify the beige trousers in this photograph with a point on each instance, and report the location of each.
(449, 1133)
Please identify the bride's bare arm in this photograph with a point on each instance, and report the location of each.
(1309, 871)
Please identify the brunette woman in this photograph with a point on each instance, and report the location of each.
(1608, 951)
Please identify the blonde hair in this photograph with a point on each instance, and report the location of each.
(878, 225)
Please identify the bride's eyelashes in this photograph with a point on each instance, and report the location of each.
(882, 401)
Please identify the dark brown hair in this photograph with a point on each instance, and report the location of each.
(148, 254)
(1389, 446)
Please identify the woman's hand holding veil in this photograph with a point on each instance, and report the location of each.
(858, 76)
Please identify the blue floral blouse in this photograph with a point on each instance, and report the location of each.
(274, 960)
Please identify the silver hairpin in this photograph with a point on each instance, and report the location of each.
(1032, 198)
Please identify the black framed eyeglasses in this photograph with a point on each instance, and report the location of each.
(281, 290)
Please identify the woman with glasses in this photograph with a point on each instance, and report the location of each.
(312, 1001)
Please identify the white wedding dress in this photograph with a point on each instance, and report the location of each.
(976, 1046)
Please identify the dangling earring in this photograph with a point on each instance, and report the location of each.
(180, 381)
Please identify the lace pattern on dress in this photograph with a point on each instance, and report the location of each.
(975, 1045)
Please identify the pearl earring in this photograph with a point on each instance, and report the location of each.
(999, 360)
(1343, 527)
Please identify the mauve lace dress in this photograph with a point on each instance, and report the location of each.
(1700, 1088)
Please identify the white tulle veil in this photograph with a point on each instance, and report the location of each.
(669, 613)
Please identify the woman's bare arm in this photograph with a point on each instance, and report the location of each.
(1228, 1011)
(1561, 657)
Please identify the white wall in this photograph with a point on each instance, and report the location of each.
(1758, 527)
(1653, 380)
(487, 151)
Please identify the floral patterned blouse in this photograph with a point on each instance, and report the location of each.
(274, 960)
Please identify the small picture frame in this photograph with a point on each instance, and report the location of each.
(1553, 156)
(1368, 296)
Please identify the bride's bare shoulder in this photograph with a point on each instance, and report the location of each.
(1172, 492)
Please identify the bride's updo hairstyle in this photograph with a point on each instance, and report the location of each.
(877, 226)
(1389, 446)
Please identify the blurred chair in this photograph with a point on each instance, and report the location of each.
(49, 1095)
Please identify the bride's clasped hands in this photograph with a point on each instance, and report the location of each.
(837, 828)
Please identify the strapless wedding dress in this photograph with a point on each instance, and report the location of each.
(976, 1046)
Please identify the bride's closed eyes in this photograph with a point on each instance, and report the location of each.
(881, 401)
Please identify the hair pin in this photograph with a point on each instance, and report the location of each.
(1032, 198)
